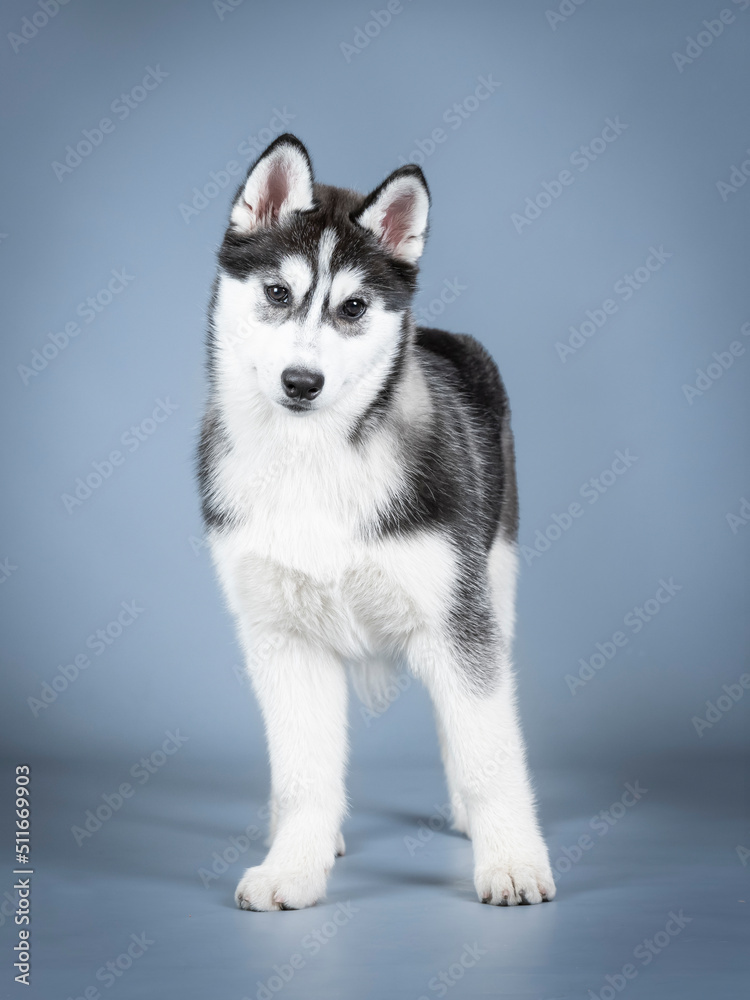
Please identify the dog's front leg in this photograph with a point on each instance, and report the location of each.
(489, 778)
(459, 816)
(302, 693)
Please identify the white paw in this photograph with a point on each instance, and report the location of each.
(520, 879)
(268, 887)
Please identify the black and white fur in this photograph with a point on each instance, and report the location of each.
(361, 511)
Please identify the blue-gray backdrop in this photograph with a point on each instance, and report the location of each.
(588, 163)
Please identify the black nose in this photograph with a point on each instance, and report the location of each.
(301, 383)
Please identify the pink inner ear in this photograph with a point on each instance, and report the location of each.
(274, 195)
(398, 219)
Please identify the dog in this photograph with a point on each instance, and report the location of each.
(358, 488)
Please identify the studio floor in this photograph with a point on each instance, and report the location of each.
(652, 892)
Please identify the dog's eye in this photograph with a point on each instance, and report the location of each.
(277, 294)
(353, 308)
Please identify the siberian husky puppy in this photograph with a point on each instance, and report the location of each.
(359, 493)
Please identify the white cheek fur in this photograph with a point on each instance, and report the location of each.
(253, 353)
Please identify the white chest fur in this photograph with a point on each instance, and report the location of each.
(301, 559)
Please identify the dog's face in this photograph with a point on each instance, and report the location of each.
(314, 283)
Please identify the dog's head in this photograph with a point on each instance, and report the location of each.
(315, 283)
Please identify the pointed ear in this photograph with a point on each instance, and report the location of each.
(397, 213)
(279, 182)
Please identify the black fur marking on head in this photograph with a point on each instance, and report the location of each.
(287, 139)
(408, 170)
(264, 248)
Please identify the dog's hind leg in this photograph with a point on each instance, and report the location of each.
(459, 816)
(301, 689)
(480, 726)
